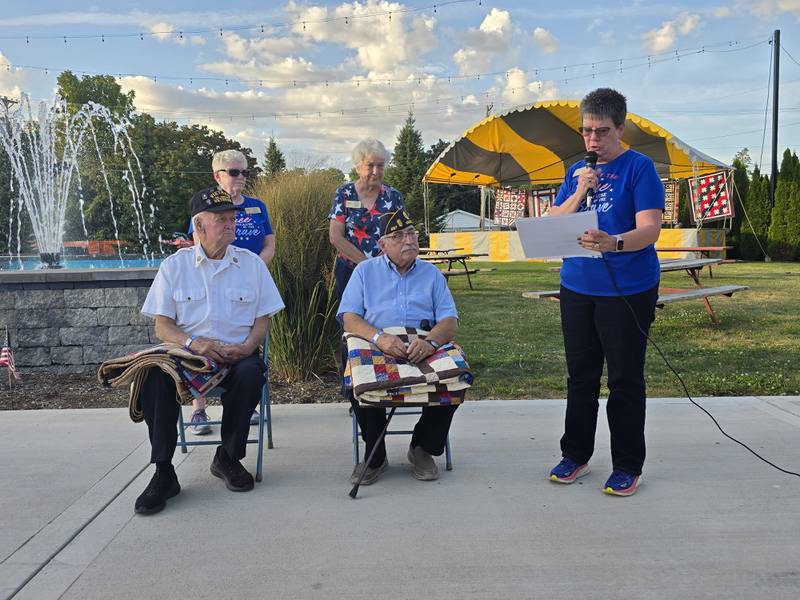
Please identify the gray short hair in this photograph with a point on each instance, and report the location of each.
(369, 147)
(223, 158)
(605, 102)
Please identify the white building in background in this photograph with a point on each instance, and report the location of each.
(461, 220)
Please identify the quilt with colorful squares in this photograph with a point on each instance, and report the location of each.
(377, 378)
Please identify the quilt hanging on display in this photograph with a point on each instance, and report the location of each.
(710, 198)
(509, 205)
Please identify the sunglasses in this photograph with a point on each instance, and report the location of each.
(598, 131)
(236, 172)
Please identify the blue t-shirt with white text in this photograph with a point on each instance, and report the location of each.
(252, 224)
(626, 185)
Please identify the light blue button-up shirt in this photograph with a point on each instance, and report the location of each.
(385, 298)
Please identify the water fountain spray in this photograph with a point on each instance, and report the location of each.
(45, 153)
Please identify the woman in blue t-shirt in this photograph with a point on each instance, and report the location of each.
(253, 231)
(600, 295)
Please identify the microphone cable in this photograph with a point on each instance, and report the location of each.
(685, 389)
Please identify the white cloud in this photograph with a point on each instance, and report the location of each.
(482, 45)
(664, 37)
(518, 90)
(546, 40)
(12, 80)
(770, 8)
(723, 12)
(166, 32)
(380, 43)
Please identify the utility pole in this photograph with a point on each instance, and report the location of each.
(7, 102)
(776, 53)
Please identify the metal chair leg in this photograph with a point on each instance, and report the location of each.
(181, 431)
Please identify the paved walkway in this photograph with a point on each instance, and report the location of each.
(709, 521)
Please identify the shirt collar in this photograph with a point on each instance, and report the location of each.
(227, 260)
(392, 267)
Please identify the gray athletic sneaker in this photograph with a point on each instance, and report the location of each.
(372, 473)
(425, 468)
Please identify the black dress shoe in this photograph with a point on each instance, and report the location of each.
(236, 477)
(163, 486)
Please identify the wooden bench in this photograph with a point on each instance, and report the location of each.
(665, 296)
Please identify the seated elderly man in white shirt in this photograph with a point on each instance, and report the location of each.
(216, 300)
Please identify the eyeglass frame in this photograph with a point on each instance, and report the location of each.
(401, 235)
(244, 172)
(600, 132)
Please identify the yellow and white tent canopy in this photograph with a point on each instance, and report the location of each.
(538, 143)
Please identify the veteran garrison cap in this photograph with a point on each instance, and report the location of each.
(394, 221)
(213, 199)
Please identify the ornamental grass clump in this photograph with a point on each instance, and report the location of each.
(304, 337)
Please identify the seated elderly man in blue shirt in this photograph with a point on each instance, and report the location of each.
(397, 289)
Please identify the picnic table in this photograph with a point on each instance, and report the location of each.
(701, 251)
(693, 267)
(456, 263)
(438, 250)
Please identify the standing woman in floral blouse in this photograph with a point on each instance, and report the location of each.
(357, 209)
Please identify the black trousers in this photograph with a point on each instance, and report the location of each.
(430, 432)
(242, 395)
(342, 271)
(598, 329)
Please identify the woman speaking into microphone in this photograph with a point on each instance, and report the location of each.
(600, 297)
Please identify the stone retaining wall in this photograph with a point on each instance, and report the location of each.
(71, 321)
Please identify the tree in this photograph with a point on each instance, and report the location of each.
(406, 171)
(755, 225)
(100, 89)
(740, 185)
(274, 162)
(783, 234)
(790, 168)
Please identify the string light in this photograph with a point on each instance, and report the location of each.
(289, 24)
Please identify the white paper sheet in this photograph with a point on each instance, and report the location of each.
(556, 237)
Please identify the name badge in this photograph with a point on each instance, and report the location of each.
(353, 203)
(252, 210)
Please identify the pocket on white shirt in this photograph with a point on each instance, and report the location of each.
(190, 305)
(241, 305)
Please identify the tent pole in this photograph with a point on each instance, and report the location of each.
(483, 208)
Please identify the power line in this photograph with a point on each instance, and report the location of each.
(180, 33)
(619, 64)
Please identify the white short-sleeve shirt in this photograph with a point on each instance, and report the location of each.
(218, 299)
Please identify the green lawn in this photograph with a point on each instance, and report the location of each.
(515, 348)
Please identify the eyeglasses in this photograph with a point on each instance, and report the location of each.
(411, 234)
(598, 131)
(235, 172)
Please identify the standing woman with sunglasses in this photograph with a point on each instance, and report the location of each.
(600, 296)
(253, 232)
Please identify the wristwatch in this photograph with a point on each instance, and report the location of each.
(188, 343)
(436, 345)
(377, 335)
(620, 242)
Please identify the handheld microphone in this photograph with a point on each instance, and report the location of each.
(591, 161)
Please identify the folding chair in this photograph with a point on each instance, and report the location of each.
(403, 411)
(264, 417)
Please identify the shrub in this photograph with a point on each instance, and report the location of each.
(304, 337)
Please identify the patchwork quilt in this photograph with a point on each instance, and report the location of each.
(194, 375)
(379, 379)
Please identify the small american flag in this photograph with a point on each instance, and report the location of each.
(7, 360)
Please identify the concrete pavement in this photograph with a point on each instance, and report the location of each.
(709, 521)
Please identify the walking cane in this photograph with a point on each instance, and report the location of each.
(354, 491)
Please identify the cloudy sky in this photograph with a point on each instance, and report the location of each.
(319, 76)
